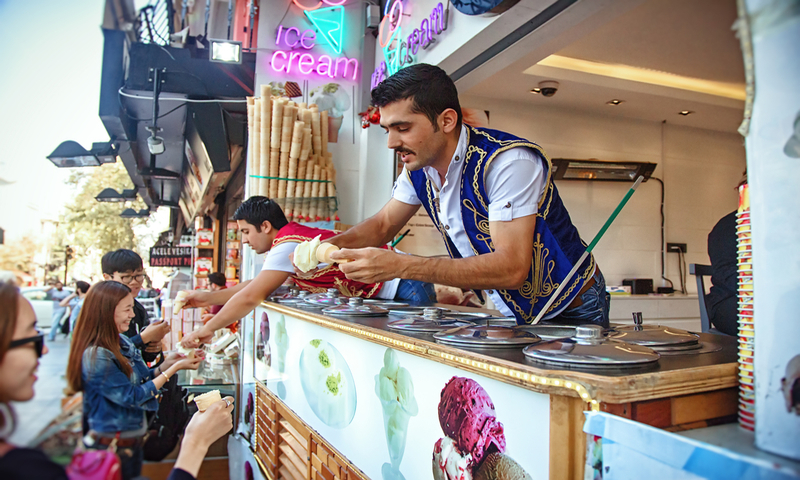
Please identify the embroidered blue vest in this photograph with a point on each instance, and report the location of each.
(556, 243)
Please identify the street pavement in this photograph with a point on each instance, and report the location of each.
(35, 415)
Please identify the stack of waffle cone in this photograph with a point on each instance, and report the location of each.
(253, 182)
(266, 125)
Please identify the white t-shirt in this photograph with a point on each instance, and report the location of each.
(515, 182)
(278, 259)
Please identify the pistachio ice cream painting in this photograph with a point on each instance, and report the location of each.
(327, 383)
(395, 389)
(331, 98)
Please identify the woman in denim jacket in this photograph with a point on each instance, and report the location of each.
(118, 387)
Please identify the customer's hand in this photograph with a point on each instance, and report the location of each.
(198, 337)
(191, 363)
(155, 332)
(204, 429)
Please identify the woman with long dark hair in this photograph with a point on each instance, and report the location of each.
(21, 347)
(118, 387)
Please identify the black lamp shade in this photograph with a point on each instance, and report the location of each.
(109, 195)
(71, 154)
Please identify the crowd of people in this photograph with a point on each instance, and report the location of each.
(117, 363)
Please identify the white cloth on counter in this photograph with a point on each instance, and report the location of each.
(278, 259)
(515, 177)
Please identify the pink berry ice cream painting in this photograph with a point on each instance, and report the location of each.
(474, 444)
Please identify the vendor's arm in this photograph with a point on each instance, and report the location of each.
(379, 229)
(238, 306)
(199, 298)
(505, 268)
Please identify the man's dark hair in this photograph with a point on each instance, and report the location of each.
(257, 210)
(428, 86)
(217, 279)
(121, 260)
(82, 286)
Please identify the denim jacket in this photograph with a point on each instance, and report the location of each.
(112, 402)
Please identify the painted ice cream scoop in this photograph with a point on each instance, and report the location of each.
(466, 414)
(281, 339)
(327, 383)
(395, 388)
(467, 417)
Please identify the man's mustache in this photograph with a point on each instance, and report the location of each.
(404, 150)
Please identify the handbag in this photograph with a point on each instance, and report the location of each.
(167, 425)
(95, 464)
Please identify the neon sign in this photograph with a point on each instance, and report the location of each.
(319, 4)
(397, 52)
(329, 22)
(299, 38)
(307, 64)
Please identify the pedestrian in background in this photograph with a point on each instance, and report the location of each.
(56, 293)
(75, 302)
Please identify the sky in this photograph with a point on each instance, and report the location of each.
(49, 93)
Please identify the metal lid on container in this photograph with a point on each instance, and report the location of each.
(355, 306)
(486, 336)
(385, 303)
(589, 348)
(413, 311)
(550, 332)
(655, 336)
(295, 299)
(432, 320)
(329, 298)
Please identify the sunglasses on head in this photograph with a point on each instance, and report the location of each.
(38, 343)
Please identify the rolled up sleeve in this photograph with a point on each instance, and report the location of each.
(515, 182)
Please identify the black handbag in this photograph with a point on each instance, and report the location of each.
(169, 422)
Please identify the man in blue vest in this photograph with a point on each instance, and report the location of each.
(491, 196)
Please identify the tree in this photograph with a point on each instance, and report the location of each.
(93, 228)
(19, 255)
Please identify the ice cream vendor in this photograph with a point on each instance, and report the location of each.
(491, 196)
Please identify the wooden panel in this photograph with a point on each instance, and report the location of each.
(300, 429)
(298, 463)
(298, 449)
(656, 413)
(289, 428)
(705, 406)
(289, 466)
(567, 440)
(618, 409)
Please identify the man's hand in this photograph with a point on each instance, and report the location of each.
(370, 265)
(190, 363)
(196, 299)
(155, 332)
(299, 273)
(199, 337)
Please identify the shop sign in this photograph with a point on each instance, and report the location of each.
(399, 52)
(171, 256)
(329, 23)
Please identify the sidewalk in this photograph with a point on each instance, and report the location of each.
(35, 415)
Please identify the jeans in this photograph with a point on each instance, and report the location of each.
(55, 324)
(596, 303)
(415, 292)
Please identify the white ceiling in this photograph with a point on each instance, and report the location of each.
(691, 38)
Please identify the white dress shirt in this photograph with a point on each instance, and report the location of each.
(515, 182)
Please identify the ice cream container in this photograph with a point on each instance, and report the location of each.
(355, 306)
(486, 336)
(589, 348)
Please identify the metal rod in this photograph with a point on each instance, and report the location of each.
(588, 250)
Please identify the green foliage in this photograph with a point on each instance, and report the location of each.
(18, 255)
(92, 228)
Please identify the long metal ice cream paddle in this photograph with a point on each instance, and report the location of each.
(588, 249)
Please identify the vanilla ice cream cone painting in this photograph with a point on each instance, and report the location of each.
(395, 388)
(327, 383)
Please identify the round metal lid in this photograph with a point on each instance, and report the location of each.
(412, 311)
(432, 320)
(496, 321)
(654, 336)
(550, 332)
(355, 307)
(300, 297)
(384, 303)
(486, 336)
(329, 298)
(589, 348)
